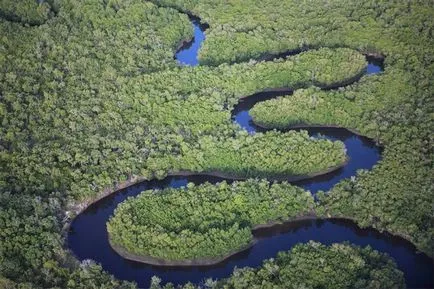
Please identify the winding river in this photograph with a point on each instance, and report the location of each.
(88, 239)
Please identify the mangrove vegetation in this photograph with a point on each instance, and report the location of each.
(312, 265)
(200, 223)
(91, 97)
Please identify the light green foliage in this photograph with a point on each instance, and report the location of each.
(312, 265)
(94, 96)
(272, 155)
(397, 195)
(85, 136)
(242, 31)
(317, 266)
(358, 106)
(323, 67)
(202, 222)
(394, 107)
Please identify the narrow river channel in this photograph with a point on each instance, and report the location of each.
(88, 237)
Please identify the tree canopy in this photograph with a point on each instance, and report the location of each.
(202, 222)
(91, 95)
(313, 265)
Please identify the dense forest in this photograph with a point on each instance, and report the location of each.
(203, 222)
(27, 12)
(313, 265)
(91, 96)
(394, 107)
(152, 124)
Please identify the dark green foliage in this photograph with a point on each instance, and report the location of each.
(397, 195)
(202, 222)
(82, 137)
(31, 249)
(314, 265)
(27, 222)
(94, 96)
(25, 11)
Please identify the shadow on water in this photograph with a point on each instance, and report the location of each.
(88, 240)
(187, 54)
(362, 152)
(88, 237)
(375, 65)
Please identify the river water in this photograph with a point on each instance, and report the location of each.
(88, 237)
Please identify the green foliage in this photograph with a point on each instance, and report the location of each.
(27, 222)
(273, 155)
(394, 108)
(202, 222)
(397, 195)
(82, 137)
(31, 248)
(313, 265)
(322, 67)
(25, 11)
(359, 106)
(94, 96)
(250, 30)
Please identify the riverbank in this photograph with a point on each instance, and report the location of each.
(204, 261)
(256, 230)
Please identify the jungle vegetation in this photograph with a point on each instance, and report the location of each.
(153, 124)
(272, 155)
(203, 222)
(312, 265)
(382, 107)
(394, 107)
(90, 95)
(26, 12)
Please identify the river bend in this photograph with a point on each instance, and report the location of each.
(88, 239)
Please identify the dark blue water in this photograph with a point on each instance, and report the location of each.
(88, 240)
(375, 65)
(187, 55)
(362, 152)
(88, 237)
